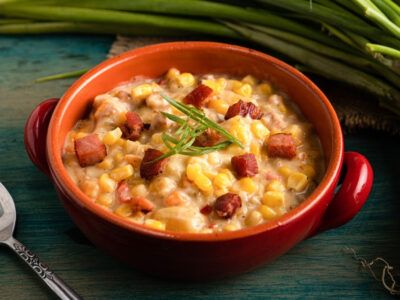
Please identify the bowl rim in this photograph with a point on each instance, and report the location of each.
(68, 187)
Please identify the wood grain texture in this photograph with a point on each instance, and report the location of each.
(314, 269)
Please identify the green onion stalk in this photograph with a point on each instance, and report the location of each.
(353, 41)
(324, 66)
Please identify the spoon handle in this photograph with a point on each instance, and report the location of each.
(59, 287)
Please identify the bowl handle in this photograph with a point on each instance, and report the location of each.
(351, 196)
(36, 132)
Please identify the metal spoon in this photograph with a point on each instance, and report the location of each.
(8, 216)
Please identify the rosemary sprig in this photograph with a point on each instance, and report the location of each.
(199, 117)
(188, 133)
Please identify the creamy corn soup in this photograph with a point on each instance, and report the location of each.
(269, 162)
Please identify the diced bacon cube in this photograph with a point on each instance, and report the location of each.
(137, 203)
(123, 193)
(206, 210)
(281, 145)
(209, 138)
(237, 109)
(226, 205)
(89, 150)
(199, 96)
(242, 108)
(133, 126)
(149, 170)
(254, 112)
(245, 165)
(141, 204)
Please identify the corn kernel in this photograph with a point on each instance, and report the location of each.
(90, 188)
(185, 79)
(248, 185)
(195, 173)
(214, 158)
(130, 146)
(105, 200)
(282, 108)
(112, 136)
(235, 84)
(245, 90)
(294, 130)
(240, 132)
(227, 172)
(121, 119)
(203, 182)
(230, 227)
(220, 191)
(273, 198)
(137, 217)
(106, 164)
(267, 212)
(135, 181)
(172, 73)
(155, 224)
(139, 191)
(72, 135)
(222, 181)
(163, 148)
(70, 149)
(106, 184)
(250, 79)
(280, 211)
(255, 148)
(275, 185)
(157, 138)
(285, 171)
(124, 210)
(221, 83)
(235, 149)
(80, 135)
(71, 161)
(254, 218)
(200, 160)
(193, 170)
(155, 87)
(122, 173)
(118, 157)
(219, 106)
(259, 130)
(133, 160)
(142, 91)
(265, 88)
(217, 85)
(297, 181)
(121, 142)
(177, 112)
(308, 170)
(275, 131)
(206, 230)
(210, 174)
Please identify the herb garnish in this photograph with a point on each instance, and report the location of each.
(187, 132)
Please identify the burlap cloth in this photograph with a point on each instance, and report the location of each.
(356, 110)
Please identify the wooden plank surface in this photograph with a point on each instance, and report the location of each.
(314, 269)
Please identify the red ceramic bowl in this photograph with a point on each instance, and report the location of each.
(200, 256)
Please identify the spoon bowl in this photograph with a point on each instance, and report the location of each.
(8, 216)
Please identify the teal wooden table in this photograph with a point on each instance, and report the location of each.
(314, 269)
